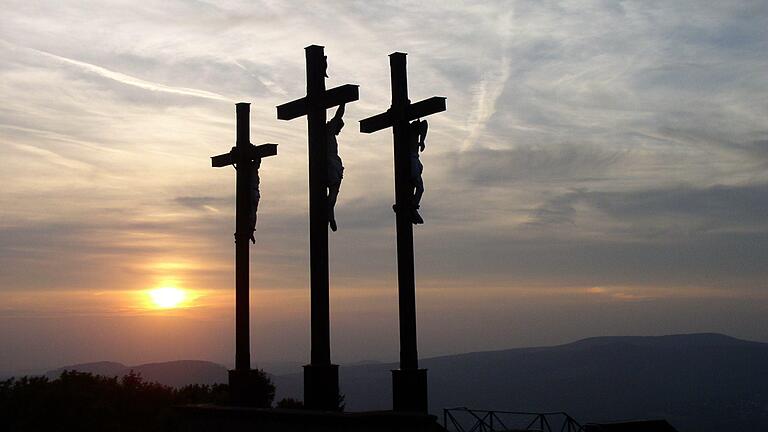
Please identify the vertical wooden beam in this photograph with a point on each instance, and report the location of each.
(409, 383)
(244, 383)
(321, 378)
(318, 208)
(242, 235)
(405, 259)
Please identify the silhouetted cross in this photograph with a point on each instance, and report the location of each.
(321, 383)
(409, 383)
(246, 157)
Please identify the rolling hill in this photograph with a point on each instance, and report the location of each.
(174, 373)
(699, 382)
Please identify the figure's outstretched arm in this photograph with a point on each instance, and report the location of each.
(339, 112)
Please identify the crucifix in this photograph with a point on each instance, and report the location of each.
(409, 383)
(321, 378)
(246, 158)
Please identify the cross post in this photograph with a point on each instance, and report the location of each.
(321, 377)
(245, 157)
(409, 383)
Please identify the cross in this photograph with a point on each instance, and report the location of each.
(321, 378)
(246, 158)
(409, 383)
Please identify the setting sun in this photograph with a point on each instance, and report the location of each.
(168, 297)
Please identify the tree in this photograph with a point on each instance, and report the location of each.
(85, 402)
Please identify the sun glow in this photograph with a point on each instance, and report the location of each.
(167, 297)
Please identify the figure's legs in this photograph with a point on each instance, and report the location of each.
(418, 190)
(254, 209)
(333, 194)
(419, 186)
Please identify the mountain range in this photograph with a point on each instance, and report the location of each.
(699, 382)
(174, 373)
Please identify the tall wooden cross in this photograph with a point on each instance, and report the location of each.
(321, 378)
(245, 157)
(409, 383)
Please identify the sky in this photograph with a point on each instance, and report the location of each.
(601, 169)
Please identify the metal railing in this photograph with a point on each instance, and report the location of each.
(468, 420)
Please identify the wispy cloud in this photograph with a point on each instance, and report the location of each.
(488, 91)
(124, 78)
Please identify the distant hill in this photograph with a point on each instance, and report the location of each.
(104, 368)
(174, 373)
(699, 382)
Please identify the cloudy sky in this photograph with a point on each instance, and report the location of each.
(602, 169)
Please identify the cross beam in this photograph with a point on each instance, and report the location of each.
(321, 381)
(252, 153)
(331, 98)
(244, 155)
(409, 383)
(420, 109)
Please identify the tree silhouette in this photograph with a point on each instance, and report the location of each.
(86, 402)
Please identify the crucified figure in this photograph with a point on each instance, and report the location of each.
(335, 167)
(255, 196)
(417, 136)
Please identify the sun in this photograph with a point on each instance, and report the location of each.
(167, 297)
